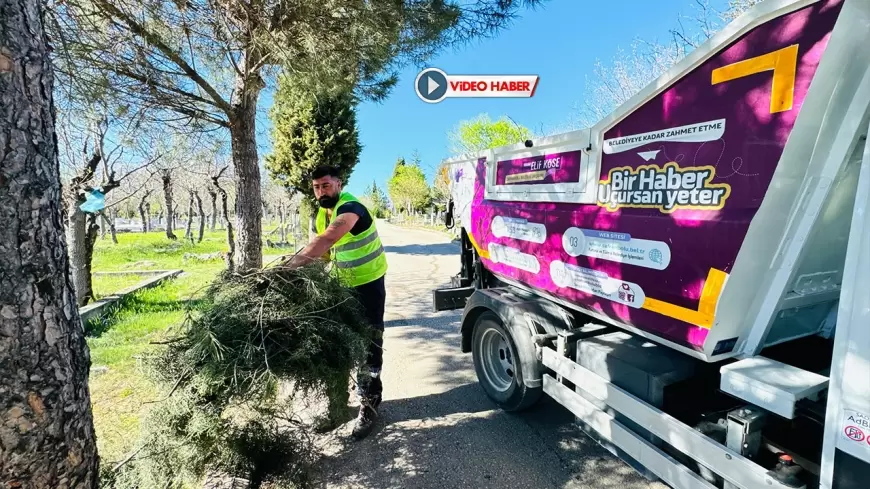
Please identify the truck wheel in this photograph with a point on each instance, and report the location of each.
(498, 365)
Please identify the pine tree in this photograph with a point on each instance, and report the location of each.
(311, 129)
(375, 200)
(47, 434)
(400, 163)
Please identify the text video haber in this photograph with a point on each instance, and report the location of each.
(493, 86)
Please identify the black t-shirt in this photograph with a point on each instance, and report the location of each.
(364, 221)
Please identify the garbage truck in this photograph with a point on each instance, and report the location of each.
(690, 276)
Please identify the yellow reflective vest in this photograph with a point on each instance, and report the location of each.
(358, 259)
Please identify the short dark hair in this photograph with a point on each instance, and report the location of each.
(325, 171)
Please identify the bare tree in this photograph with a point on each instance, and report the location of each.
(130, 199)
(188, 233)
(201, 213)
(204, 63)
(169, 209)
(212, 193)
(215, 180)
(613, 83)
(46, 426)
(282, 234)
(83, 143)
(736, 8)
(82, 228)
(145, 210)
(110, 224)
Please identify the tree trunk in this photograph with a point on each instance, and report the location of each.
(145, 216)
(214, 208)
(105, 225)
(188, 233)
(230, 257)
(142, 217)
(112, 229)
(174, 216)
(201, 213)
(167, 197)
(81, 236)
(281, 221)
(265, 214)
(110, 223)
(249, 252)
(46, 427)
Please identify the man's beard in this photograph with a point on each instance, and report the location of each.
(327, 201)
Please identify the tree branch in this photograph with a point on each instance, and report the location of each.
(147, 163)
(128, 196)
(152, 83)
(87, 173)
(156, 41)
(219, 173)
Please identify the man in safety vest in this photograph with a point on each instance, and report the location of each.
(345, 229)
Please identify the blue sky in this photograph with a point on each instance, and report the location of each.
(559, 41)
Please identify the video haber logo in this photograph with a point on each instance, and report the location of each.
(433, 85)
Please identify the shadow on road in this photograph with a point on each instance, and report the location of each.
(453, 318)
(455, 437)
(425, 249)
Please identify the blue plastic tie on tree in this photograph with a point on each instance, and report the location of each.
(95, 201)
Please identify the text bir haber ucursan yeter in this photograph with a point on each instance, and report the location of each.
(668, 189)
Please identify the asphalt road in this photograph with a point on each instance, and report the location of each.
(437, 427)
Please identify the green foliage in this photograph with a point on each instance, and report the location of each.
(248, 336)
(483, 133)
(407, 187)
(311, 129)
(119, 340)
(183, 57)
(375, 200)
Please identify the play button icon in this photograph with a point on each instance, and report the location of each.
(431, 85)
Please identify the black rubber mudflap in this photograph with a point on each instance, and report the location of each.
(850, 472)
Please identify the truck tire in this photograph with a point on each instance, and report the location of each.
(498, 366)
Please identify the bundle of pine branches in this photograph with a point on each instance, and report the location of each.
(252, 330)
(247, 336)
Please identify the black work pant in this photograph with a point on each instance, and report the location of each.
(373, 296)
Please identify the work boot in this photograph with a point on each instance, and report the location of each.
(365, 420)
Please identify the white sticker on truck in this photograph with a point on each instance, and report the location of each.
(462, 178)
(855, 429)
(693, 133)
(513, 257)
(597, 283)
(617, 247)
(522, 229)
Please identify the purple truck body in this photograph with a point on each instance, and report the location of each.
(681, 178)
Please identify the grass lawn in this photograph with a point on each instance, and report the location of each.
(119, 391)
(110, 284)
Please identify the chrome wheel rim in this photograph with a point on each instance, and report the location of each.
(497, 360)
